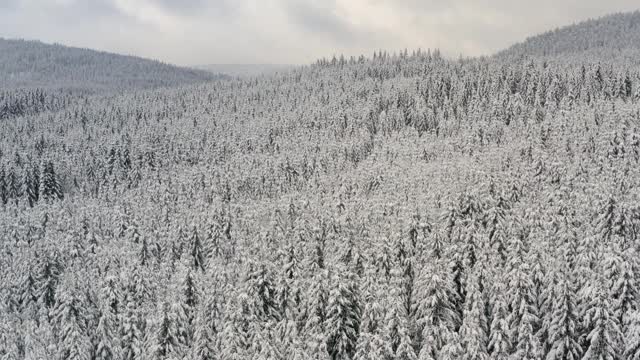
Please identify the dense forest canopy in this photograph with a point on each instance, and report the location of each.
(616, 36)
(402, 206)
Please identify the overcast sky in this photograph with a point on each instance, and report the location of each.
(193, 32)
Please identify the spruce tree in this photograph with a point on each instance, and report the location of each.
(343, 319)
(69, 319)
(131, 336)
(107, 347)
(50, 188)
(198, 254)
(473, 331)
(435, 310)
(605, 337)
(563, 330)
(499, 342)
(632, 337)
(4, 190)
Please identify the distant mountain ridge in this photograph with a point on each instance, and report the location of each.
(30, 64)
(242, 70)
(616, 33)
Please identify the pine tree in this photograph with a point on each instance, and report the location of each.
(262, 291)
(170, 338)
(622, 284)
(563, 330)
(236, 336)
(343, 319)
(315, 315)
(605, 338)
(205, 340)
(499, 343)
(473, 331)
(452, 350)
(50, 188)
(68, 317)
(48, 280)
(198, 255)
(28, 296)
(4, 190)
(189, 301)
(14, 186)
(107, 347)
(131, 336)
(32, 185)
(435, 310)
(632, 337)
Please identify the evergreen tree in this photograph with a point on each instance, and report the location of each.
(435, 311)
(632, 337)
(473, 331)
(50, 188)
(48, 280)
(236, 336)
(205, 341)
(623, 289)
(131, 335)
(563, 330)
(605, 338)
(68, 317)
(107, 347)
(343, 319)
(499, 343)
(14, 186)
(4, 190)
(32, 185)
(198, 255)
(170, 337)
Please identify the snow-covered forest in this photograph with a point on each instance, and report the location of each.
(399, 206)
(32, 64)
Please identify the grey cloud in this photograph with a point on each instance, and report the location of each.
(8, 4)
(82, 11)
(197, 7)
(320, 18)
(293, 31)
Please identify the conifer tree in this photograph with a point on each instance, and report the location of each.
(70, 322)
(604, 338)
(205, 339)
(236, 336)
(131, 335)
(499, 342)
(4, 190)
(50, 188)
(632, 337)
(435, 310)
(343, 319)
(198, 254)
(32, 185)
(563, 330)
(473, 331)
(107, 347)
(170, 337)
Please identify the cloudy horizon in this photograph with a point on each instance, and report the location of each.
(199, 32)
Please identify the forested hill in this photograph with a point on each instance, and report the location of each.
(617, 34)
(33, 64)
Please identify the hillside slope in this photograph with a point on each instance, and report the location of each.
(29, 64)
(400, 207)
(612, 35)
